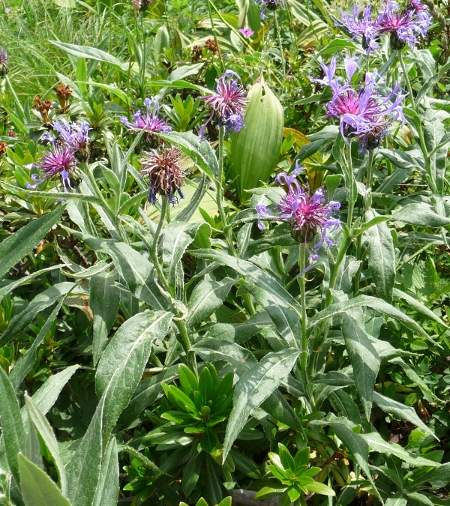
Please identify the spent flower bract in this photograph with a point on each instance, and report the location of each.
(165, 174)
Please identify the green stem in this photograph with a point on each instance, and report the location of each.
(277, 28)
(215, 35)
(144, 58)
(219, 195)
(352, 191)
(154, 249)
(369, 177)
(430, 176)
(335, 267)
(304, 322)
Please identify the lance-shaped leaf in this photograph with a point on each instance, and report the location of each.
(381, 257)
(254, 387)
(38, 489)
(123, 361)
(108, 485)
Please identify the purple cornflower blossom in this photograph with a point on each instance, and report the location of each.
(246, 32)
(363, 113)
(361, 26)
(229, 103)
(148, 120)
(270, 5)
(75, 135)
(405, 25)
(59, 159)
(307, 214)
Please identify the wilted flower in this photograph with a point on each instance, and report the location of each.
(141, 5)
(3, 62)
(363, 113)
(165, 173)
(307, 214)
(362, 26)
(43, 106)
(270, 5)
(405, 25)
(147, 120)
(229, 103)
(75, 135)
(63, 93)
(61, 160)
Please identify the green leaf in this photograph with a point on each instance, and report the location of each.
(365, 300)
(287, 460)
(83, 469)
(320, 488)
(206, 297)
(46, 395)
(12, 428)
(179, 399)
(104, 300)
(336, 46)
(191, 474)
(364, 358)
(401, 411)
(134, 268)
(46, 432)
(378, 444)
(209, 441)
(188, 380)
(420, 213)
(89, 52)
(21, 242)
(42, 301)
(200, 152)
(107, 490)
(123, 361)
(214, 350)
(37, 488)
(258, 144)
(25, 363)
(254, 387)
(417, 306)
(12, 285)
(270, 491)
(381, 257)
(213, 489)
(396, 501)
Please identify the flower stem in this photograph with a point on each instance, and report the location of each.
(304, 323)
(351, 183)
(277, 28)
(418, 123)
(215, 36)
(369, 178)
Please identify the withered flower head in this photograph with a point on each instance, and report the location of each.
(43, 106)
(63, 93)
(3, 147)
(141, 5)
(165, 173)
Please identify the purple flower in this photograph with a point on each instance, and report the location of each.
(61, 160)
(147, 120)
(246, 32)
(362, 26)
(228, 103)
(270, 5)
(404, 26)
(307, 214)
(3, 62)
(362, 112)
(75, 135)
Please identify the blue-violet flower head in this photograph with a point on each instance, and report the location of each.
(75, 135)
(58, 160)
(307, 214)
(228, 103)
(361, 25)
(148, 119)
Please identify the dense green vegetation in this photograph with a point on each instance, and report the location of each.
(224, 252)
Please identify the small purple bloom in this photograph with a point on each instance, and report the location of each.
(3, 62)
(147, 120)
(362, 26)
(404, 26)
(61, 160)
(307, 214)
(362, 112)
(75, 135)
(228, 103)
(246, 32)
(270, 5)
